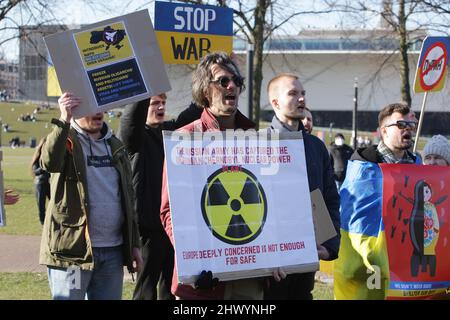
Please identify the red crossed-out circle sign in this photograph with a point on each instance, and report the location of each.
(433, 66)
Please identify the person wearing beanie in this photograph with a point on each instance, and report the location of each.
(437, 151)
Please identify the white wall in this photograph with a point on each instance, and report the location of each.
(328, 79)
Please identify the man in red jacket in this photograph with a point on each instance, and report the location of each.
(216, 86)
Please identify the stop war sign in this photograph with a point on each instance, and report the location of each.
(432, 66)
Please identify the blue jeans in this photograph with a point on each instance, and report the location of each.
(105, 282)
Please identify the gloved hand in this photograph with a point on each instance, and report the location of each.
(206, 281)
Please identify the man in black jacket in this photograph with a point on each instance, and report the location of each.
(287, 97)
(140, 130)
(340, 154)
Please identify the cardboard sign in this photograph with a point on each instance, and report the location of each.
(234, 200)
(323, 225)
(109, 63)
(432, 65)
(188, 32)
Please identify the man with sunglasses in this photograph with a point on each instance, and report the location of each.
(216, 86)
(397, 125)
(140, 130)
(362, 228)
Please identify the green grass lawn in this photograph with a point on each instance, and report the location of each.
(10, 112)
(21, 218)
(34, 286)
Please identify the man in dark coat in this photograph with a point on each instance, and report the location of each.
(340, 154)
(287, 97)
(140, 130)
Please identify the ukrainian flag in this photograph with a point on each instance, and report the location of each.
(362, 269)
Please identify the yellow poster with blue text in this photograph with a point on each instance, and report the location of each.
(104, 45)
(186, 32)
(53, 88)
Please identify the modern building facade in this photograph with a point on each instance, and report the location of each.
(9, 78)
(329, 63)
(33, 61)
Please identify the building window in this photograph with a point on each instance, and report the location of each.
(35, 73)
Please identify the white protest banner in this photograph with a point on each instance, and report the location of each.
(110, 63)
(240, 204)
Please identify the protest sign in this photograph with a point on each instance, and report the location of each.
(432, 65)
(53, 89)
(416, 216)
(188, 32)
(110, 63)
(430, 73)
(323, 225)
(240, 204)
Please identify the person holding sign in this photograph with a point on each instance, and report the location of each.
(90, 231)
(140, 130)
(217, 84)
(287, 97)
(363, 249)
(11, 197)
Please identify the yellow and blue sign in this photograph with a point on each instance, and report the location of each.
(188, 32)
(102, 45)
(432, 66)
(53, 88)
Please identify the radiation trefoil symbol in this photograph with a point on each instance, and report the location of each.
(234, 205)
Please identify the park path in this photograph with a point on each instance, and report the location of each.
(20, 253)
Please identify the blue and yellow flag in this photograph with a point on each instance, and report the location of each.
(395, 232)
(362, 270)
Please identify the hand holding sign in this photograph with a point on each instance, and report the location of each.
(66, 103)
(110, 63)
(11, 197)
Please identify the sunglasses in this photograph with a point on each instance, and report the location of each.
(224, 81)
(403, 124)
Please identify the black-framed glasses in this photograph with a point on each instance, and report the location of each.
(224, 81)
(403, 124)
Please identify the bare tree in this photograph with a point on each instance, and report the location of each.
(438, 5)
(15, 14)
(406, 20)
(255, 22)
